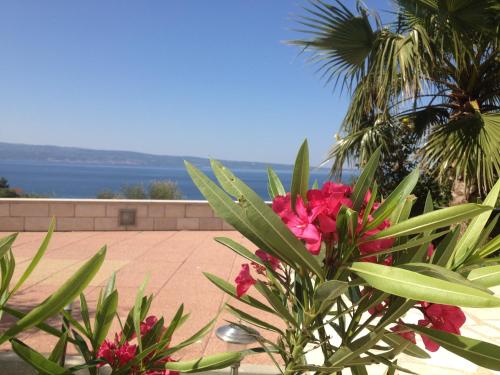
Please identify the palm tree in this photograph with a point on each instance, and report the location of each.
(433, 69)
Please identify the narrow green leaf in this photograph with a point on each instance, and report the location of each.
(365, 180)
(253, 320)
(266, 222)
(411, 349)
(36, 259)
(239, 249)
(231, 290)
(432, 220)
(59, 349)
(444, 251)
(485, 276)
(104, 318)
(212, 362)
(300, 177)
(196, 337)
(274, 183)
(469, 239)
(414, 286)
(327, 293)
(275, 302)
(442, 273)
(231, 212)
(6, 243)
(490, 247)
(56, 302)
(137, 311)
(36, 360)
(479, 352)
(397, 196)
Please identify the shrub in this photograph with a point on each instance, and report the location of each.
(107, 194)
(342, 268)
(134, 191)
(143, 346)
(164, 190)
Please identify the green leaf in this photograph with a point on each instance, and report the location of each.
(137, 311)
(253, 320)
(479, 352)
(196, 337)
(442, 273)
(36, 259)
(176, 322)
(432, 220)
(275, 302)
(266, 222)
(6, 243)
(365, 180)
(486, 276)
(59, 349)
(490, 247)
(212, 362)
(274, 184)
(411, 349)
(56, 302)
(231, 290)
(397, 196)
(468, 241)
(444, 251)
(413, 242)
(104, 318)
(36, 360)
(300, 177)
(84, 311)
(327, 293)
(42, 326)
(239, 249)
(412, 285)
(232, 213)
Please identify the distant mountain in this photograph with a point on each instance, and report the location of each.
(24, 152)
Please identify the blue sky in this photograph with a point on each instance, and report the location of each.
(183, 77)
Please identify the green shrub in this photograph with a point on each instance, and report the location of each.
(107, 194)
(164, 190)
(134, 191)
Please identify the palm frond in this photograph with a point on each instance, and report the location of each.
(467, 148)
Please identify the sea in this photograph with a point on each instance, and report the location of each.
(70, 180)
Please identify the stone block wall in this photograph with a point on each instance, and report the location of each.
(103, 215)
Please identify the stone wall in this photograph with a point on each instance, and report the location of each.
(103, 214)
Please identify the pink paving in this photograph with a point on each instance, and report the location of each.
(174, 260)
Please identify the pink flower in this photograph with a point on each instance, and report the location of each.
(301, 224)
(148, 324)
(244, 280)
(441, 317)
(268, 258)
(403, 332)
(116, 354)
(282, 205)
(430, 250)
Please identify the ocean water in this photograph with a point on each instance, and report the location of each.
(64, 180)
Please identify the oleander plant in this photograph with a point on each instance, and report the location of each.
(144, 345)
(354, 278)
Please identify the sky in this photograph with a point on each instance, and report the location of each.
(176, 77)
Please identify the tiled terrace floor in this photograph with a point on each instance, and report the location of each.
(175, 262)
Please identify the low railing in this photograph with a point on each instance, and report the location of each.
(30, 214)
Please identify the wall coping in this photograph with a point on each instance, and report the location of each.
(95, 200)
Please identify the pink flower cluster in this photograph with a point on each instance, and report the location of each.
(315, 222)
(118, 353)
(440, 317)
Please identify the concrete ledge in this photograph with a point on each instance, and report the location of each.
(34, 215)
(11, 364)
